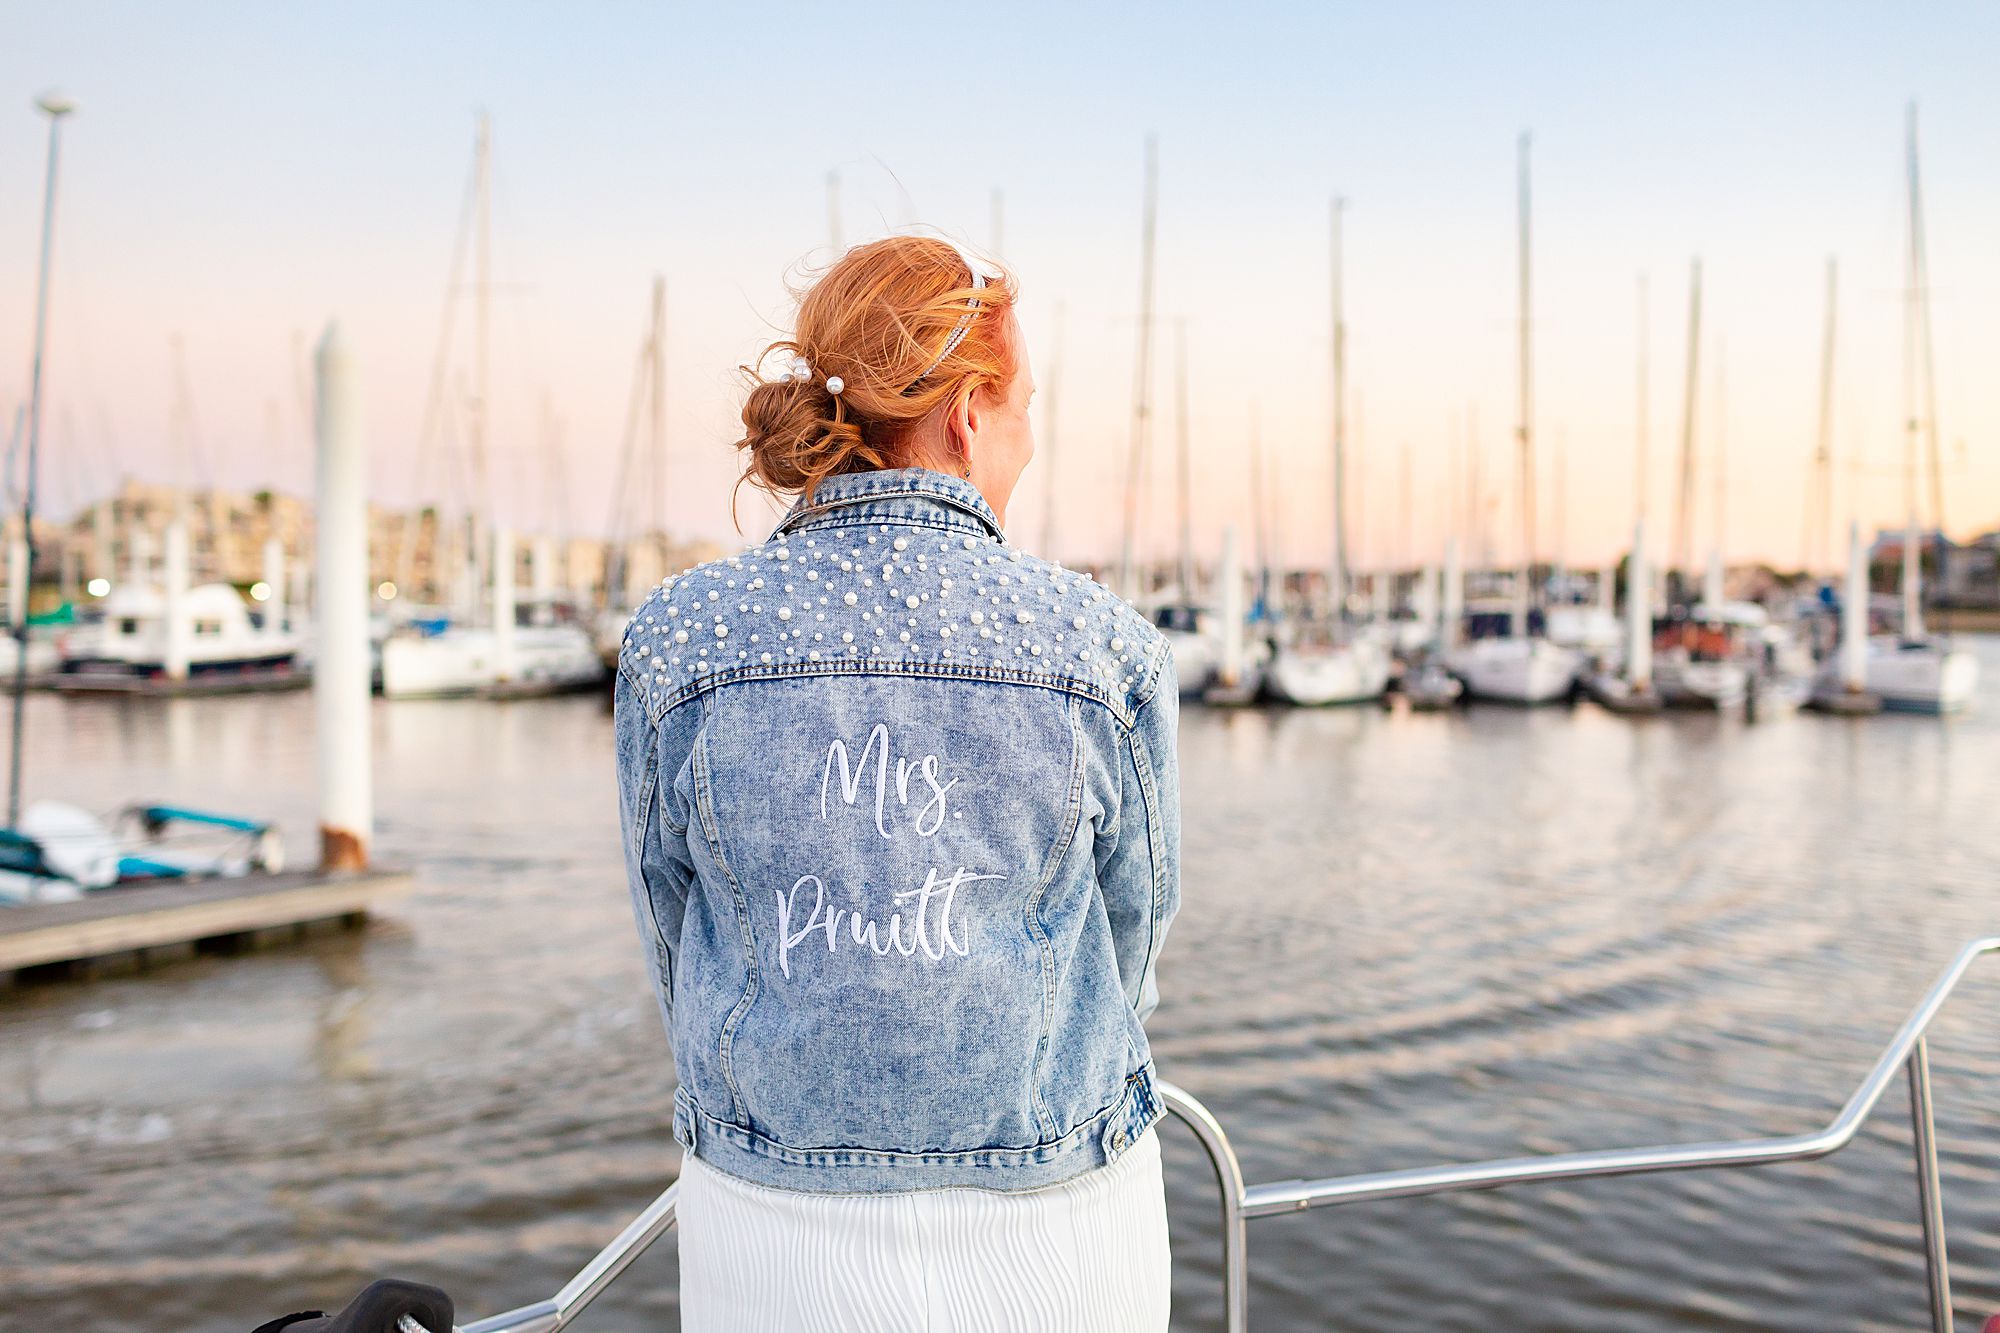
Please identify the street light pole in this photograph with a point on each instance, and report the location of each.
(55, 106)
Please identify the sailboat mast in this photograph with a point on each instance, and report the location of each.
(1524, 427)
(1184, 460)
(656, 432)
(1721, 450)
(1819, 521)
(1684, 518)
(1259, 530)
(1336, 582)
(1642, 422)
(1920, 262)
(1048, 441)
(1142, 373)
(55, 108)
(1912, 553)
(1406, 556)
(482, 287)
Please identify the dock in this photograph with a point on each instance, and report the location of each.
(186, 916)
(160, 686)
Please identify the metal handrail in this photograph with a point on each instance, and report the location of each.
(1909, 1049)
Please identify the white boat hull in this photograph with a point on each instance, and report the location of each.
(1515, 671)
(1684, 683)
(1924, 677)
(1350, 674)
(466, 660)
(1591, 628)
(1195, 658)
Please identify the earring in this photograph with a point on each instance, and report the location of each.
(967, 473)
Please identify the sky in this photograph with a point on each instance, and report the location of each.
(238, 176)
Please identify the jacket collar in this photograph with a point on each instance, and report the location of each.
(910, 495)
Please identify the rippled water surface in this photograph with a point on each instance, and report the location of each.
(1407, 939)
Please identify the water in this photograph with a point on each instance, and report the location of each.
(1406, 939)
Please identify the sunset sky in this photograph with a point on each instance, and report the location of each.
(238, 175)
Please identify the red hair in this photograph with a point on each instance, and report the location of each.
(879, 320)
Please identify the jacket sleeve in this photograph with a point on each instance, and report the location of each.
(657, 865)
(1140, 871)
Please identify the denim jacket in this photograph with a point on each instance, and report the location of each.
(901, 814)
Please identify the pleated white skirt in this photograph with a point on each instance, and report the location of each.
(1087, 1254)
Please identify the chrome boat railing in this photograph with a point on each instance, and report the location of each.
(1909, 1051)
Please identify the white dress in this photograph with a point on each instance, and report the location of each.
(1088, 1253)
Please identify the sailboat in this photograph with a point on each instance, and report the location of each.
(1335, 665)
(1239, 668)
(51, 851)
(1519, 666)
(1187, 623)
(1629, 688)
(1425, 684)
(1699, 657)
(511, 653)
(641, 469)
(1914, 671)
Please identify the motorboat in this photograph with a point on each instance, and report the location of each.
(1927, 675)
(1187, 631)
(1515, 669)
(129, 641)
(543, 654)
(1429, 688)
(60, 852)
(1316, 674)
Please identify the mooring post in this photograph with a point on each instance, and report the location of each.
(179, 626)
(505, 551)
(340, 673)
(274, 585)
(17, 578)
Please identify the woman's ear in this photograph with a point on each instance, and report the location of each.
(962, 424)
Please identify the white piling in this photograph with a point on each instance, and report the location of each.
(17, 579)
(1711, 581)
(542, 568)
(1854, 615)
(1231, 578)
(1451, 606)
(139, 557)
(174, 575)
(504, 553)
(340, 673)
(102, 566)
(1425, 602)
(1639, 613)
(1913, 580)
(274, 583)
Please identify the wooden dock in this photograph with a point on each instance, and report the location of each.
(186, 915)
(160, 687)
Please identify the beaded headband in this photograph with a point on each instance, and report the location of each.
(958, 331)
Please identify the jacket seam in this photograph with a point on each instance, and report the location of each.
(1077, 1134)
(790, 522)
(706, 682)
(705, 809)
(1142, 763)
(1033, 910)
(649, 804)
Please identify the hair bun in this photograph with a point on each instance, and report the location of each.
(898, 328)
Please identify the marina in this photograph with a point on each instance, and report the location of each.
(1559, 470)
(1409, 939)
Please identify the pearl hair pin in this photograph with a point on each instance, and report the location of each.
(800, 369)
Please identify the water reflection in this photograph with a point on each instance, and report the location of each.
(1406, 938)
